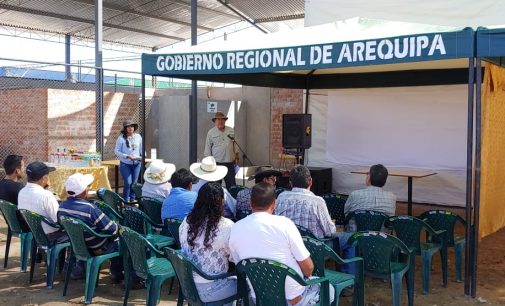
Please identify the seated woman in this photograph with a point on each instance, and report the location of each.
(156, 180)
(204, 235)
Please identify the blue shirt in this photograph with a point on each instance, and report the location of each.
(91, 215)
(178, 204)
(135, 149)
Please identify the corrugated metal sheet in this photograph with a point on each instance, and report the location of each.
(142, 22)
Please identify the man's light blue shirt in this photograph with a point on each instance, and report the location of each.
(178, 204)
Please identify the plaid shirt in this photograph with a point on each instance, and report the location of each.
(370, 198)
(307, 210)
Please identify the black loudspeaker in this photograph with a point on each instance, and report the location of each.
(321, 180)
(296, 131)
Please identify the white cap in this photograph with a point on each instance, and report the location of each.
(78, 182)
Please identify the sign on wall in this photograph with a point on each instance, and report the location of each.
(211, 107)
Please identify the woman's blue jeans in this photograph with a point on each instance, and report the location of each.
(130, 174)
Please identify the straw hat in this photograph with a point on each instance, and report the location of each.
(208, 170)
(159, 172)
(219, 115)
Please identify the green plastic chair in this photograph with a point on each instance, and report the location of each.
(335, 242)
(10, 213)
(409, 229)
(113, 199)
(320, 253)
(152, 208)
(155, 270)
(380, 253)
(138, 221)
(268, 279)
(335, 204)
(53, 251)
(76, 229)
(447, 220)
(109, 211)
(184, 269)
(172, 225)
(234, 190)
(137, 190)
(367, 220)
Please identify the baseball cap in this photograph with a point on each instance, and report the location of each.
(78, 182)
(36, 170)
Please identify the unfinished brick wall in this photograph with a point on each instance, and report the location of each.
(283, 101)
(23, 118)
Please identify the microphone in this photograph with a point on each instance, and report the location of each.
(231, 137)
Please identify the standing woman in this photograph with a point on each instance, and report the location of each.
(204, 236)
(129, 150)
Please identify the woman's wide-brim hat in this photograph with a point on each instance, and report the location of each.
(130, 122)
(159, 172)
(219, 115)
(208, 170)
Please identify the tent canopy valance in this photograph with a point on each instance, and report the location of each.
(355, 50)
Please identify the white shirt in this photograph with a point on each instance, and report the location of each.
(212, 260)
(156, 191)
(263, 235)
(41, 201)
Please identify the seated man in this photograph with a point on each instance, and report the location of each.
(263, 174)
(76, 206)
(209, 171)
(181, 199)
(11, 184)
(373, 197)
(264, 235)
(157, 180)
(35, 197)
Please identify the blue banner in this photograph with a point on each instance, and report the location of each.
(391, 50)
(490, 43)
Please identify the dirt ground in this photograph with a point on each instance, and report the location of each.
(15, 289)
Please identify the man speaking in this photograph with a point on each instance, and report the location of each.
(220, 145)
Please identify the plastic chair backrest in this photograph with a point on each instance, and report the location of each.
(268, 279)
(335, 204)
(242, 213)
(109, 211)
(113, 199)
(34, 222)
(368, 220)
(137, 247)
(305, 232)
(172, 226)
(234, 190)
(135, 219)
(319, 252)
(137, 190)
(152, 208)
(377, 250)
(75, 229)
(184, 269)
(443, 220)
(408, 230)
(9, 212)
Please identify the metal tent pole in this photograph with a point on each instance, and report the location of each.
(193, 114)
(99, 76)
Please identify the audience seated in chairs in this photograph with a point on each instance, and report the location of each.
(264, 235)
(157, 180)
(204, 235)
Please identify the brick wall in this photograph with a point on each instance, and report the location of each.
(23, 118)
(71, 115)
(283, 101)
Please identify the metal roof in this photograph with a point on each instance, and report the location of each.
(148, 24)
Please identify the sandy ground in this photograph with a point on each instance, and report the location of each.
(15, 289)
